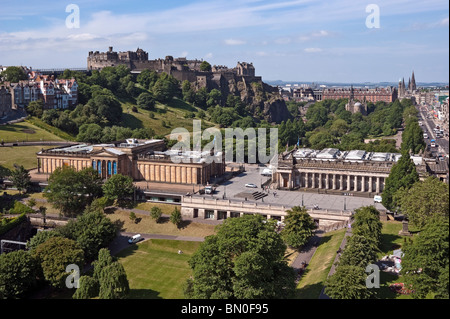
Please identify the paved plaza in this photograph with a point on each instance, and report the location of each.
(235, 189)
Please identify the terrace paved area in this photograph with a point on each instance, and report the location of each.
(235, 188)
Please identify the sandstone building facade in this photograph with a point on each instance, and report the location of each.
(333, 170)
(5, 101)
(142, 160)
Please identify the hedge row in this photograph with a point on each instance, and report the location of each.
(15, 222)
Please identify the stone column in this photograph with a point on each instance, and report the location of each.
(349, 182)
(307, 180)
(320, 180)
(327, 181)
(363, 183)
(313, 178)
(334, 181)
(370, 184)
(378, 185)
(341, 182)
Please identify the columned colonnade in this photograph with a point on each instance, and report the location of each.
(350, 182)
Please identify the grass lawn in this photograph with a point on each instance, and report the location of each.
(155, 270)
(21, 155)
(147, 225)
(317, 271)
(25, 131)
(172, 114)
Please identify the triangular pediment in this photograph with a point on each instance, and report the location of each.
(106, 153)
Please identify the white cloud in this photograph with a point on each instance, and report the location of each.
(444, 22)
(313, 50)
(234, 42)
(314, 35)
(209, 55)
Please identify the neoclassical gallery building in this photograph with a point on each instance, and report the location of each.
(143, 160)
(331, 169)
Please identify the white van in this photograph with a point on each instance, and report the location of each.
(425, 135)
(266, 172)
(135, 239)
(377, 199)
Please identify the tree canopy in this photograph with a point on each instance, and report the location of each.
(425, 263)
(403, 175)
(70, 191)
(412, 201)
(243, 260)
(299, 227)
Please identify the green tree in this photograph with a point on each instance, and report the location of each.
(88, 288)
(70, 191)
(90, 133)
(348, 282)
(92, 231)
(205, 66)
(113, 282)
(156, 213)
(187, 91)
(299, 227)
(20, 177)
(424, 201)
(118, 187)
(17, 274)
(54, 255)
(40, 238)
(412, 138)
(425, 262)
(245, 259)
(104, 259)
(367, 224)
(403, 174)
(14, 74)
(146, 101)
(36, 108)
(65, 191)
(175, 217)
(359, 251)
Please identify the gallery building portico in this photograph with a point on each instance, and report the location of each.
(331, 169)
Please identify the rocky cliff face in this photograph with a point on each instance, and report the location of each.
(263, 101)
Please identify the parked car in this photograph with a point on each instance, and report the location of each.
(251, 186)
(377, 199)
(135, 239)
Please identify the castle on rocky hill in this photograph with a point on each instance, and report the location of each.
(180, 68)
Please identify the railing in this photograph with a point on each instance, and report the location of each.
(239, 205)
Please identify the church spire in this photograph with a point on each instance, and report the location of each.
(413, 82)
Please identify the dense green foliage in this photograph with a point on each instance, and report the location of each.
(243, 260)
(70, 191)
(299, 227)
(424, 201)
(17, 274)
(425, 264)
(348, 282)
(13, 74)
(92, 231)
(54, 255)
(403, 175)
(366, 223)
(20, 177)
(118, 188)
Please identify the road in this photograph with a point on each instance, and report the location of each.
(429, 123)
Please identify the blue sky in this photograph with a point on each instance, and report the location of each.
(290, 40)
